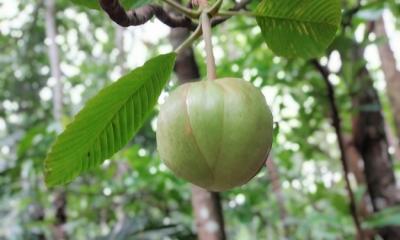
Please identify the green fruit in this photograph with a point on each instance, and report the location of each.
(216, 134)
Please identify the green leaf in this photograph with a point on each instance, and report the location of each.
(127, 4)
(108, 121)
(387, 217)
(27, 141)
(298, 28)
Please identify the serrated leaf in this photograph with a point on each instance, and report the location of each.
(127, 4)
(108, 121)
(298, 28)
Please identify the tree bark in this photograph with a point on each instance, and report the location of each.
(60, 205)
(206, 205)
(208, 212)
(392, 141)
(336, 122)
(54, 58)
(186, 67)
(60, 201)
(356, 167)
(36, 213)
(392, 75)
(371, 142)
(276, 188)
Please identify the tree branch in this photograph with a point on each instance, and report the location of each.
(143, 14)
(189, 12)
(189, 41)
(242, 5)
(349, 14)
(336, 123)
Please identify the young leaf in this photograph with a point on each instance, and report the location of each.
(107, 121)
(298, 28)
(127, 4)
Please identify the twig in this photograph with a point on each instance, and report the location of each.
(187, 43)
(214, 8)
(349, 14)
(238, 6)
(241, 5)
(336, 123)
(143, 14)
(182, 9)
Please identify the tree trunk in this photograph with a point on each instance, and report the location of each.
(208, 213)
(392, 141)
(392, 75)
(336, 122)
(356, 167)
(186, 67)
(206, 205)
(371, 142)
(54, 58)
(60, 204)
(276, 188)
(60, 201)
(36, 213)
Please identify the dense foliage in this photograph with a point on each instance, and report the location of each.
(133, 195)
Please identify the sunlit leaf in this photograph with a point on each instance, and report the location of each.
(108, 121)
(298, 28)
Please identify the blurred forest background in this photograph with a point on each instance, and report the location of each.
(337, 117)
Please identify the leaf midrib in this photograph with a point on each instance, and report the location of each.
(111, 118)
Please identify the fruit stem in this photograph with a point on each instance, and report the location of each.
(215, 8)
(186, 11)
(196, 34)
(206, 26)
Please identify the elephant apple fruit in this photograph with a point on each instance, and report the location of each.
(215, 134)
